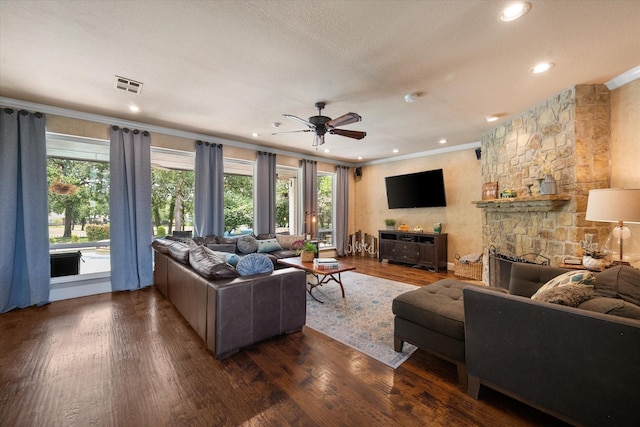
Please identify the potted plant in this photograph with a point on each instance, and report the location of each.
(390, 223)
(307, 251)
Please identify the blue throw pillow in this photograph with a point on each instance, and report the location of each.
(254, 264)
(269, 245)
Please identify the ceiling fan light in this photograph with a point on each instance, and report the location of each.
(318, 140)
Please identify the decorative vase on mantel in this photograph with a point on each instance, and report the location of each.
(549, 186)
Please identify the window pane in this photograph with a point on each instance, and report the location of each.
(287, 201)
(325, 210)
(172, 200)
(78, 215)
(238, 198)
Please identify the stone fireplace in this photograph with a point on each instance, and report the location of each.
(567, 136)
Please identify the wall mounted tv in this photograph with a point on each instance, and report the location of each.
(416, 190)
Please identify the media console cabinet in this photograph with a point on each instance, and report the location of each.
(427, 250)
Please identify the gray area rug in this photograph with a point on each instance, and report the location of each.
(363, 319)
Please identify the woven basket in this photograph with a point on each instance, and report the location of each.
(469, 270)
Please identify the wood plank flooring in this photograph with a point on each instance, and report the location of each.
(129, 359)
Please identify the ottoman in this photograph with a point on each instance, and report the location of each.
(432, 318)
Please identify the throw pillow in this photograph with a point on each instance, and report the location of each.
(254, 264)
(179, 251)
(269, 245)
(161, 245)
(621, 281)
(576, 277)
(210, 265)
(285, 241)
(266, 236)
(247, 244)
(571, 295)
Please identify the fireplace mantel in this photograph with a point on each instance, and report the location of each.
(524, 204)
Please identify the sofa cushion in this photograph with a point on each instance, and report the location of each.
(161, 245)
(222, 247)
(268, 245)
(285, 241)
(613, 306)
(210, 265)
(179, 251)
(619, 282)
(254, 264)
(570, 295)
(247, 244)
(574, 277)
(265, 236)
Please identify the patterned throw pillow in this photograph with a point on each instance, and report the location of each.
(576, 277)
(268, 245)
(571, 295)
(254, 264)
(285, 241)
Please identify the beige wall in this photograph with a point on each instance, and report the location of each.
(625, 136)
(625, 140)
(460, 219)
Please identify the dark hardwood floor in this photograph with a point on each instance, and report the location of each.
(129, 359)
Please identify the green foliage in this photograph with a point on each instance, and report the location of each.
(172, 197)
(161, 231)
(390, 221)
(88, 202)
(74, 238)
(309, 247)
(238, 202)
(325, 201)
(97, 232)
(282, 203)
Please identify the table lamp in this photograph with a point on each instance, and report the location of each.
(617, 205)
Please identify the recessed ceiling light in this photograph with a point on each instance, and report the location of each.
(326, 150)
(359, 157)
(492, 118)
(255, 135)
(134, 108)
(541, 68)
(514, 11)
(395, 150)
(443, 141)
(410, 97)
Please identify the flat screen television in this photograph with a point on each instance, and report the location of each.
(416, 190)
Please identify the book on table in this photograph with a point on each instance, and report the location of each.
(325, 263)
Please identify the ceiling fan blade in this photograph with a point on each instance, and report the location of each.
(355, 134)
(291, 131)
(345, 119)
(289, 116)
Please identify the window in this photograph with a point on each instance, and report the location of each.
(238, 197)
(78, 178)
(326, 213)
(287, 205)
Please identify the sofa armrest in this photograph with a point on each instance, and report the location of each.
(575, 364)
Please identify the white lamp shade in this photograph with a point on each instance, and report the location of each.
(614, 205)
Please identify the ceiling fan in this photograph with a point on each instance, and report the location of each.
(321, 125)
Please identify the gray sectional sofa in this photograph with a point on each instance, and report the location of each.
(230, 312)
(580, 364)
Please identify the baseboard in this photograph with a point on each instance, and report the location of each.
(79, 286)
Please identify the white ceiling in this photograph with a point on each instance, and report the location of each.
(231, 68)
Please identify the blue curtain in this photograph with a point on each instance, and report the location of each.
(24, 248)
(310, 195)
(266, 193)
(342, 209)
(209, 190)
(130, 209)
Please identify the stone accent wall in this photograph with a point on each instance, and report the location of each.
(568, 136)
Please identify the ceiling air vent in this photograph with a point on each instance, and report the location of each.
(128, 85)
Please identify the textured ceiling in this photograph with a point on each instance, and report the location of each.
(231, 68)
